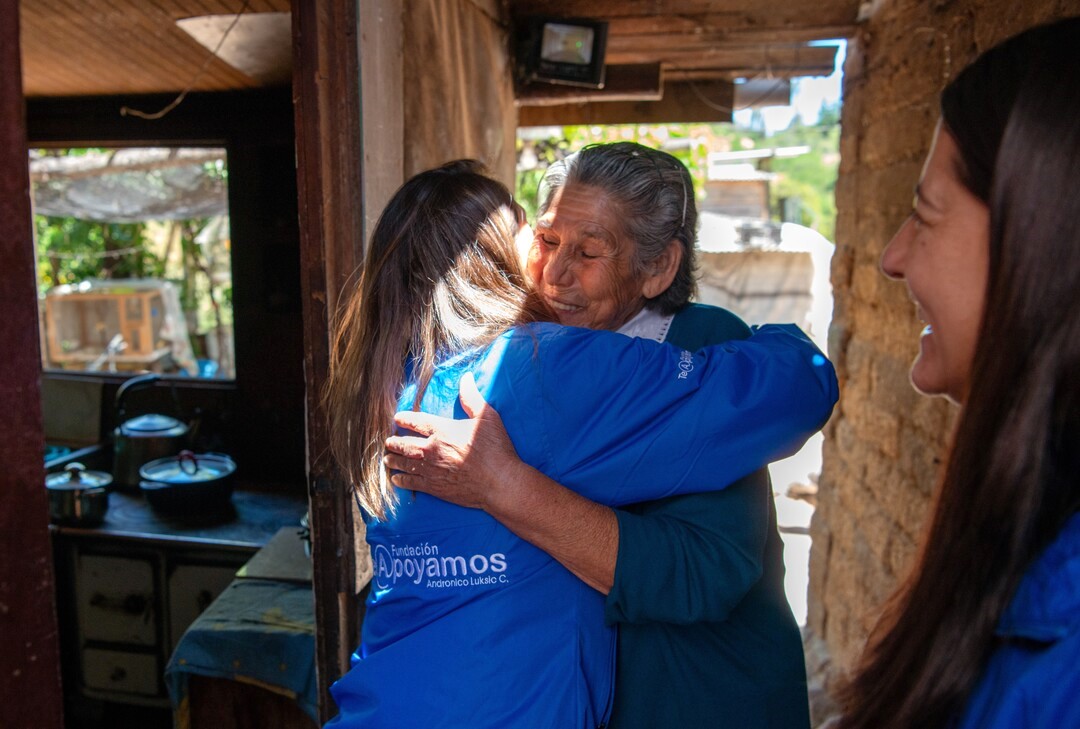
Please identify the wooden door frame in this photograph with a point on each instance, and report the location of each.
(30, 692)
(349, 160)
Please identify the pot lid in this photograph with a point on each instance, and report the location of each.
(152, 423)
(75, 476)
(188, 468)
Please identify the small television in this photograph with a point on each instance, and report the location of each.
(562, 51)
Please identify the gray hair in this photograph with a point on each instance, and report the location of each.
(655, 195)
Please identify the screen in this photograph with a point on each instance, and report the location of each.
(567, 44)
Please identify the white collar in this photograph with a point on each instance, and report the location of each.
(647, 324)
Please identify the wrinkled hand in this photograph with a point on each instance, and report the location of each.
(466, 462)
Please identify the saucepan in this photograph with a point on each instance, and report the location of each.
(78, 497)
(188, 482)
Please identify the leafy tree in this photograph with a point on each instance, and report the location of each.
(71, 250)
(810, 179)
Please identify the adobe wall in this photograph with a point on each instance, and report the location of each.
(884, 442)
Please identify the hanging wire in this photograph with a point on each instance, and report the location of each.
(128, 111)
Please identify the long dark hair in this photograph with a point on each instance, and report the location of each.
(441, 275)
(1013, 474)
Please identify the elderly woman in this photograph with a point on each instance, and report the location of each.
(694, 583)
(467, 625)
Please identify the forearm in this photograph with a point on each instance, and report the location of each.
(581, 534)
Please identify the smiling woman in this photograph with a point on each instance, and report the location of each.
(942, 253)
(582, 263)
(615, 236)
(984, 632)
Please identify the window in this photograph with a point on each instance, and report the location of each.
(133, 251)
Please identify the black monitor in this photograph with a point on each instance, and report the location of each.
(562, 51)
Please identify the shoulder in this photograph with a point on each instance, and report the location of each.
(541, 337)
(1046, 604)
(545, 353)
(699, 325)
(1028, 685)
(1031, 679)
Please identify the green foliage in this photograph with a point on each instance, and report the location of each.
(809, 179)
(72, 250)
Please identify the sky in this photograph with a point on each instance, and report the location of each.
(807, 95)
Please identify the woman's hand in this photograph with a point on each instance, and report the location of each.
(470, 462)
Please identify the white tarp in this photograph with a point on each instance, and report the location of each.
(131, 185)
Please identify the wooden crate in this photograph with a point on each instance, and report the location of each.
(80, 324)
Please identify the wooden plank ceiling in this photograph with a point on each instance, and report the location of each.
(97, 47)
(713, 39)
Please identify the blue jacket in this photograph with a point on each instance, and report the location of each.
(469, 626)
(1033, 678)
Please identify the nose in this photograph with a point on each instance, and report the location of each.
(895, 253)
(557, 268)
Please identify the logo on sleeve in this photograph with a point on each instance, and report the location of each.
(686, 364)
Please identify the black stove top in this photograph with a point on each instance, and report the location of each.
(249, 519)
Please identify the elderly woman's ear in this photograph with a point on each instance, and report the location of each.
(660, 272)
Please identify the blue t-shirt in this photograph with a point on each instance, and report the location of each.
(468, 625)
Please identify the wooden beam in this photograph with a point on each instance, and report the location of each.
(727, 28)
(729, 13)
(682, 102)
(742, 41)
(641, 82)
(326, 83)
(743, 60)
(30, 691)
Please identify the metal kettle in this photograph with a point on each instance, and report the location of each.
(143, 438)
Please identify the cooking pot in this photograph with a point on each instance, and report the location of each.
(142, 439)
(188, 482)
(77, 496)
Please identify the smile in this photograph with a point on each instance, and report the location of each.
(560, 306)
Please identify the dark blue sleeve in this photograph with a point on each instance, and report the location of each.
(627, 420)
(690, 558)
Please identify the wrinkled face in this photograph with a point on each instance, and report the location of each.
(580, 261)
(942, 253)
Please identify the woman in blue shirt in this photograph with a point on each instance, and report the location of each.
(467, 625)
(986, 631)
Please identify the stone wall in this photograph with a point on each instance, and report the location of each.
(885, 442)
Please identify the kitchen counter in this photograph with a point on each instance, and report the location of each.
(248, 522)
(129, 588)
